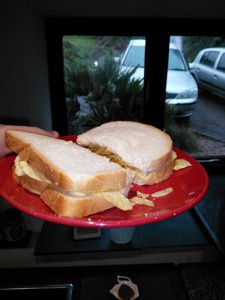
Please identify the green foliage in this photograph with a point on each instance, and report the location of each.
(107, 94)
(170, 124)
(86, 50)
(182, 137)
(78, 81)
(193, 44)
(79, 50)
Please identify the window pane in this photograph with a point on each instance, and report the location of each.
(135, 57)
(175, 60)
(103, 79)
(221, 64)
(209, 58)
(200, 132)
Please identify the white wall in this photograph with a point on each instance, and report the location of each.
(24, 90)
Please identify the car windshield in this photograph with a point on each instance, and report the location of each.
(135, 57)
(175, 61)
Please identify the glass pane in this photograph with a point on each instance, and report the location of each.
(135, 56)
(221, 64)
(195, 115)
(175, 61)
(209, 58)
(103, 79)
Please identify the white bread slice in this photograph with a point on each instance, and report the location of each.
(140, 147)
(67, 165)
(71, 180)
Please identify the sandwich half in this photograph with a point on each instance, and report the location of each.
(142, 148)
(70, 179)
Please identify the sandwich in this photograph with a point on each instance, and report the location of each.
(142, 148)
(73, 181)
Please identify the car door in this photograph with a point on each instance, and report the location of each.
(205, 69)
(218, 76)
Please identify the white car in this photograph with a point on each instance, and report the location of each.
(181, 87)
(208, 69)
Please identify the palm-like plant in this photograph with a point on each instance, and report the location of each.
(108, 94)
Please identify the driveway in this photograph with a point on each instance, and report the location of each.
(209, 117)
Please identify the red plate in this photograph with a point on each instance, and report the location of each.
(189, 186)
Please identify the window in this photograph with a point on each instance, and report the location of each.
(159, 100)
(176, 61)
(221, 64)
(209, 58)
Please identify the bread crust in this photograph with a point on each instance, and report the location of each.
(158, 176)
(13, 143)
(63, 204)
(72, 207)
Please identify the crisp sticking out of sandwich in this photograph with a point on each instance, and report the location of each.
(143, 148)
(70, 179)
